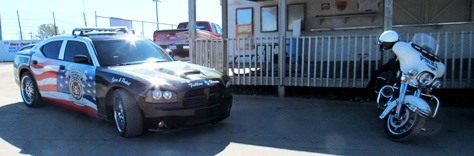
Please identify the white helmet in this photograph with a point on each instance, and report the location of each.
(387, 39)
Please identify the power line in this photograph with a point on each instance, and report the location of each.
(68, 22)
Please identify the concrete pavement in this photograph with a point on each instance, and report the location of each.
(258, 125)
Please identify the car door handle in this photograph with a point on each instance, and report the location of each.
(62, 67)
(34, 62)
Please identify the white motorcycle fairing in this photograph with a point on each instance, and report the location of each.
(418, 105)
(413, 103)
(410, 59)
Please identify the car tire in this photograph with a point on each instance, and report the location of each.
(127, 114)
(29, 90)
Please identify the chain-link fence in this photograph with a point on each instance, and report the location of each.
(23, 25)
(142, 28)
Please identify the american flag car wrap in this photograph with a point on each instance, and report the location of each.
(72, 88)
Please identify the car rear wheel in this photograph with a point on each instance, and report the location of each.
(29, 90)
(128, 116)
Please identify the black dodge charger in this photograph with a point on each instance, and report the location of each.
(111, 74)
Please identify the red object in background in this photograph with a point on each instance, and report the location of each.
(341, 4)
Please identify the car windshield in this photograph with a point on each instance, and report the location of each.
(426, 41)
(199, 25)
(129, 51)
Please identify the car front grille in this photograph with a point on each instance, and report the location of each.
(203, 96)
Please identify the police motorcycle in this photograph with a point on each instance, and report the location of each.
(404, 90)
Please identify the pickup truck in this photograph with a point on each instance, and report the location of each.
(175, 41)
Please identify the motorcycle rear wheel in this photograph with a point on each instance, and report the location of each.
(407, 125)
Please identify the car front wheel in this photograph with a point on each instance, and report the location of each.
(128, 116)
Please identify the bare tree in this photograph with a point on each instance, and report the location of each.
(47, 30)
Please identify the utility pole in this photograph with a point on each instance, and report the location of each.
(84, 12)
(55, 27)
(85, 21)
(157, 23)
(19, 24)
(95, 14)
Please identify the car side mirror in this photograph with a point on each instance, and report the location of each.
(83, 59)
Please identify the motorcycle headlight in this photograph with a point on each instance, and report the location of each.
(159, 96)
(425, 78)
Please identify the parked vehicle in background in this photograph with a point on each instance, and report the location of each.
(175, 41)
(111, 74)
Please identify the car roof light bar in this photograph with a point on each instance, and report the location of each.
(100, 31)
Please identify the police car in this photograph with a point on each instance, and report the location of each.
(112, 74)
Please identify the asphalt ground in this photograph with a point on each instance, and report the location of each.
(258, 125)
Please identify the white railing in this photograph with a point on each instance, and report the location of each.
(324, 61)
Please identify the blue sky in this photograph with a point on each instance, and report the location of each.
(68, 14)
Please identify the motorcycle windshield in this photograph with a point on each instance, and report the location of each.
(426, 41)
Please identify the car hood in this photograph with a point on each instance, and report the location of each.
(176, 74)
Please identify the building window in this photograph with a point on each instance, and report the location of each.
(295, 14)
(244, 16)
(244, 28)
(269, 19)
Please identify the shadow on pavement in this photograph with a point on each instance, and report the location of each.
(257, 124)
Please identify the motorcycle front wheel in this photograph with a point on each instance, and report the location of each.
(403, 127)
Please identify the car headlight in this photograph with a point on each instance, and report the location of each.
(167, 95)
(156, 94)
(425, 78)
(159, 96)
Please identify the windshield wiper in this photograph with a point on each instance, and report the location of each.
(156, 61)
(141, 62)
(130, 63)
